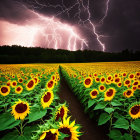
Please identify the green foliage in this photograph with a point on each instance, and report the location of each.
(104, 117)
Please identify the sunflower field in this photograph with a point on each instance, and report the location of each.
(30, 107)
(110, 94)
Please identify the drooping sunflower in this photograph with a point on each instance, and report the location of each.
(51, 134)
(134, 111)
(18, 89)
(50, 85)
(109, 94)
(20, 109)
(47, 99)
(128, 93)
(61, 112)
(88, 82)
(4, 90)
(30, 85)
(70, 129)
(94, 93)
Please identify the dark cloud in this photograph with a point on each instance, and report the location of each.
(121, 26)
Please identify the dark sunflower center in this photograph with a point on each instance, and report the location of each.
(30, 84)
(136, 83)
(109, 78)
(97, 79)
(14, 84)
(50, 84)
(94, 93)
(131, 76)
(4, 89)
(60, 115)
(35, 80)
(117, 80)
(8, 84)
(128, 92)
(20, 80)
(87, 81)
(18, 89)
(135, 110)
(109, 93)
(50, 136)
(119, 84)
(124, 74)
(127, 82)
(20, 108)
(103, 79)
(66, 130)
(102, 87)
(47, 97)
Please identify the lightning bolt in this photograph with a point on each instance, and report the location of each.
(81, 6)
(106, 11)
(57, 34)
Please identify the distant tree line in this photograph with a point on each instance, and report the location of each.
(16, 54)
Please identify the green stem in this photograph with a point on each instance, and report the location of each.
(21, 128)
(17, 130)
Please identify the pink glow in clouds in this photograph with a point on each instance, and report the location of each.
(41, 31)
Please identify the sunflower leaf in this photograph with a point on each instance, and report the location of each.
(116, 103)
(127, 137)
(104, 117)
(109, 110)
(101, 105)
(36, 114)
(91, 103)
(135, 125)
(115, 135)
(7, 121)
(121, 123)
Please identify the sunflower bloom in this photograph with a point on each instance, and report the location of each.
(94, 93)
(51, 134)
(109, 94)
(20, 110)
(68, 128)
(30, 85)
(47, 99)
(88, 82)
(4, 90)
(18, 89)
(134, 111)
(61, 112)
(128, 93)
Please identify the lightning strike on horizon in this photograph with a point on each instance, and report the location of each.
(86, 8)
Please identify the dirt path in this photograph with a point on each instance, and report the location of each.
(89, 127)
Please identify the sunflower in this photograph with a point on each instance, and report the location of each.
(134, 111)
(68, 128)
(94, 93)
(119, 84)
(128, 93)
(50, 85)
(4, 90)
(131, 76)
(109, 94)
(36, 80)
(127, 82)
(102, 79)
(97, 79)
(18, 89)
(20, 80)
(102, 88)
(14, 84)
(20, 109)
(117, 80)
(30, 85)
(88, 82)
(62, 112)
(109, 77)
(47, 99)
(51, 134)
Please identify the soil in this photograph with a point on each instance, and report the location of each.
(89, 126)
